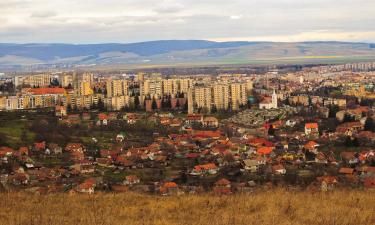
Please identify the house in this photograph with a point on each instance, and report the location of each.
(312, 147)
(60, 111)
(169, 188)
(112, 116)
(74, 147)
(251, 165)
(131, 180)
(102, 119)
(6, 152)
(119, 188)
(321, 158)
(104, 162)
(278, 169)
(327, 183)
(209, 168)
(84, 166)
(40, 146)
(19, 178)
(290, 123)
(76, 151)
(55, 148)
(222, 187)
(369, 182)
(73, 119)
(206, 134)
(265, 150)
(311, 128)
(210, 121)
(345, 170)
(131, 118)
(194, 119)
(350, 128)
(86, 116)
(350, 158)
(88, 186)
(23, 151)
(120, 137)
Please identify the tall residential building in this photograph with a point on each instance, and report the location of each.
(170, 86)
(152, 87)
(118, 102)
(40, 80)
(88, 77)
(238, 95)
(85, 88)
(185, 85)
(117, 87)
(221, 96)
(140, 77)
(3, 101)
(203, 98)
(249, 85)
(66, 80)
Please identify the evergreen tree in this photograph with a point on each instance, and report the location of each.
(214, 109)
(136, 102)
(154, 105)
(168, 103)
(68, 108)
(101, 106)
(370, 125)
(186, 106)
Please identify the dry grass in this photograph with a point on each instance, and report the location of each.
(272, 207)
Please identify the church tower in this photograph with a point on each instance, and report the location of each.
(274, 100)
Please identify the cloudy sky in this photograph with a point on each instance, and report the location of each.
(102, 21)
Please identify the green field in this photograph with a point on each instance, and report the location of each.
(12, 133)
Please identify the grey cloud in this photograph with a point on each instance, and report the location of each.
(43, 14)
(129, 20)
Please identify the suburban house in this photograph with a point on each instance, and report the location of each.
(222, 187)
(311, 128)
(131, 180)
(209, 168)
(87, 187)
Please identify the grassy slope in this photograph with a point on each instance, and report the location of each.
(272, 207)
(12, 131)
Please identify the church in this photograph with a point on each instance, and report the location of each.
(269, 102)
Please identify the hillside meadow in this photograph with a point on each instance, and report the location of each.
(269, 207)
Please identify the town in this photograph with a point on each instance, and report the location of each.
(86, 132)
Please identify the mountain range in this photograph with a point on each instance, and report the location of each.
(176, 52)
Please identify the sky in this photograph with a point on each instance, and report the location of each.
(126, 21)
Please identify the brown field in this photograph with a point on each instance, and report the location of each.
(271, 207)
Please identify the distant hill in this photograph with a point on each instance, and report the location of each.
(183, 52)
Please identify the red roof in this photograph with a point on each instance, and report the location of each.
(311, 125)
(40, 145)
(170, 185)
(44, 91)
(265, 150)
(311, 145)
(222, 182)
(5, 150)
(345, 170)
(103, 116)
(207, 166)
(192, 155)
(207, 134)
(194, 116)
(260, 142)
